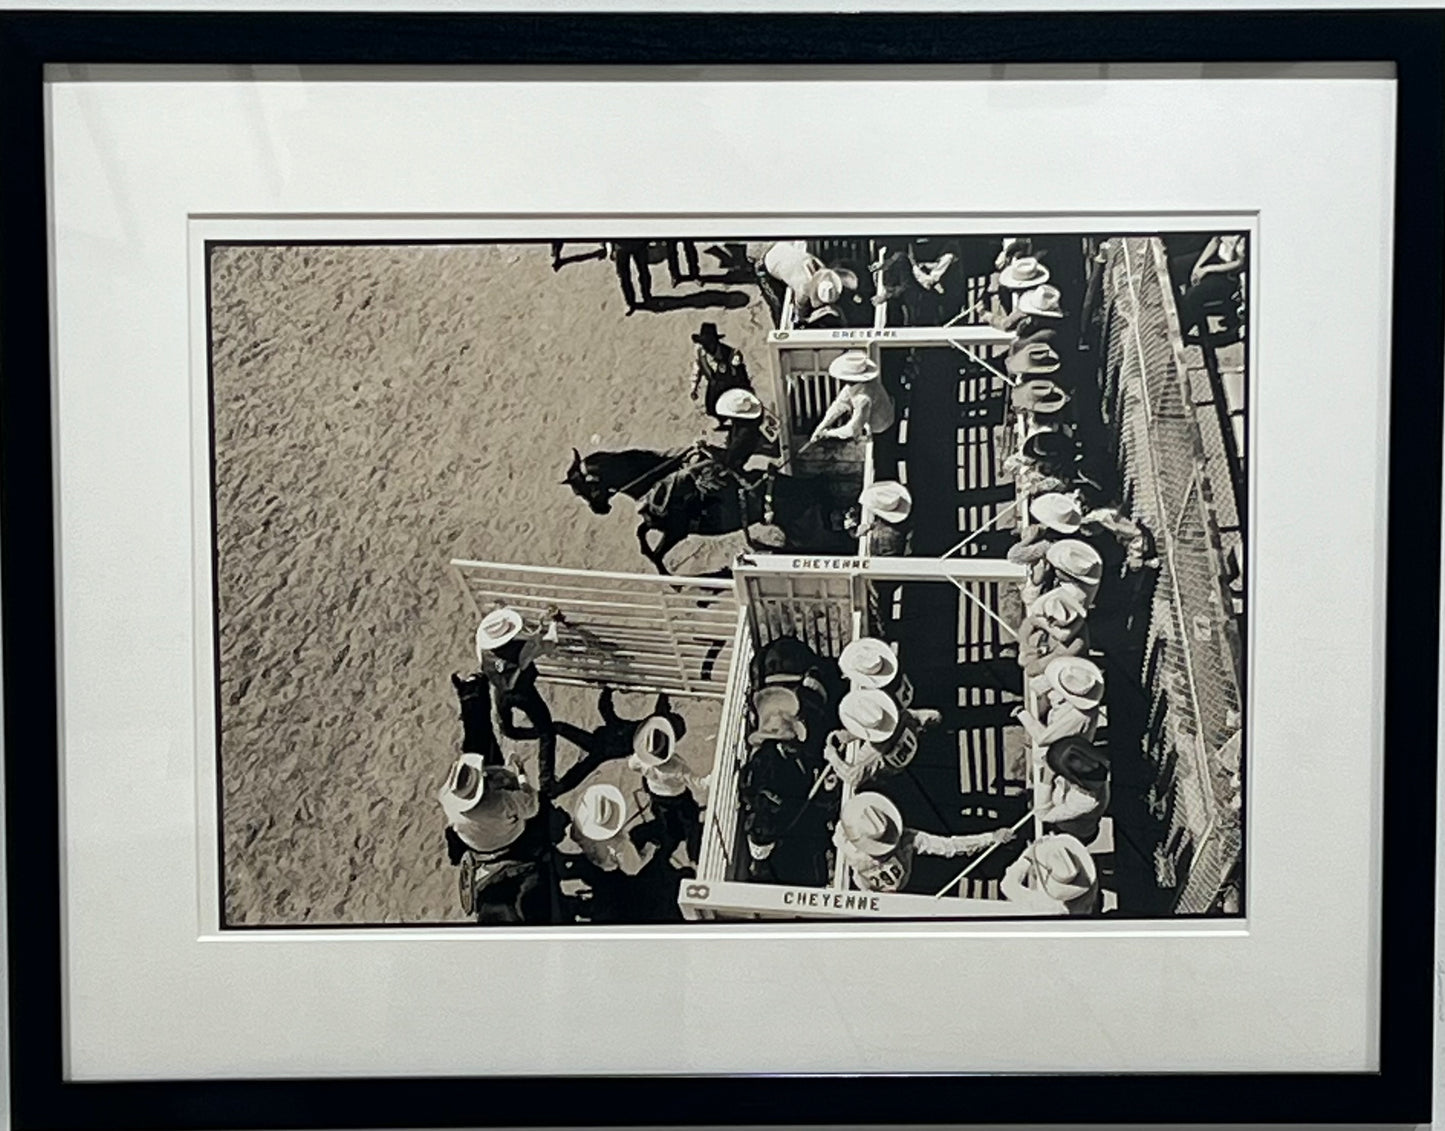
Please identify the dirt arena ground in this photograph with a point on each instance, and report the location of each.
(379, 410)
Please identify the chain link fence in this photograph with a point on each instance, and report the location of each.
(1190, 653)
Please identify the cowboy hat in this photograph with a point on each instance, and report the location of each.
(601, 811)
(1078, 760)
(1078, 680)
(890, 501)
(778, 721)
(869, 714)
(868, 661)
(1023, 273)
(1049, 442)
(465, 785)
(1076, 559)
(1060, 607)
(1057, 511)
(827, 286)
(1037, 358)
(707, 334)
(654, 741)
(1012, 246)
(739, 404)
(497, 628)
(871, 823)
(1064, 867)
(853, 366)
(1038, 396)
(1042, 301)
(1045, 337)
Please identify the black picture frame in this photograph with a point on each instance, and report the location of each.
(1400, 1092)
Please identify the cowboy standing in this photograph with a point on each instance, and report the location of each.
(879, 850)
(862, 407)
(508, 656)
(1072, 793)
(716, 368)
(1054, 876)
(676, 815)
(488, 808)
(629, 256)
(612, 740)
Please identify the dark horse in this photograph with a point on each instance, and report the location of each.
(677, 497)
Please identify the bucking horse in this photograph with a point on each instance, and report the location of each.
(682, 492)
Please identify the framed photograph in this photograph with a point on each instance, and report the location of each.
(687, 569)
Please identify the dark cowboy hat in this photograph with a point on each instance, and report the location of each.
(1079, 761)
(1049, 444)
(1039, 396)
(707, 334)
(1045, 337)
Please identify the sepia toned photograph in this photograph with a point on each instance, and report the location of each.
(665, 581)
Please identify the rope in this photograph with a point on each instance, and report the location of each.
(981, 857)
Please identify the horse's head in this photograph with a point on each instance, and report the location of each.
(586, 485)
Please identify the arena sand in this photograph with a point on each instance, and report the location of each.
(378, 411)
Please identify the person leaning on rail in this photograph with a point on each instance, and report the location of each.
(1069, 706)
(884, 513)
(1071, 793)
(1056, 625)
(1053, 876)
(879, 850)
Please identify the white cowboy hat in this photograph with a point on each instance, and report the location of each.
(1064, 867)
(601, 812)
(1023, 273)
(1076, 559)
(827, 286)
(1057, 511)
(1042, 301)
(871, 823)
(890, 501)
(869, 714)
(654, 741)
(739, 404)
(465, 785)
(497, 627)
(868, 661)
(1061, 607)
(854, 365)
(1078, 680)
